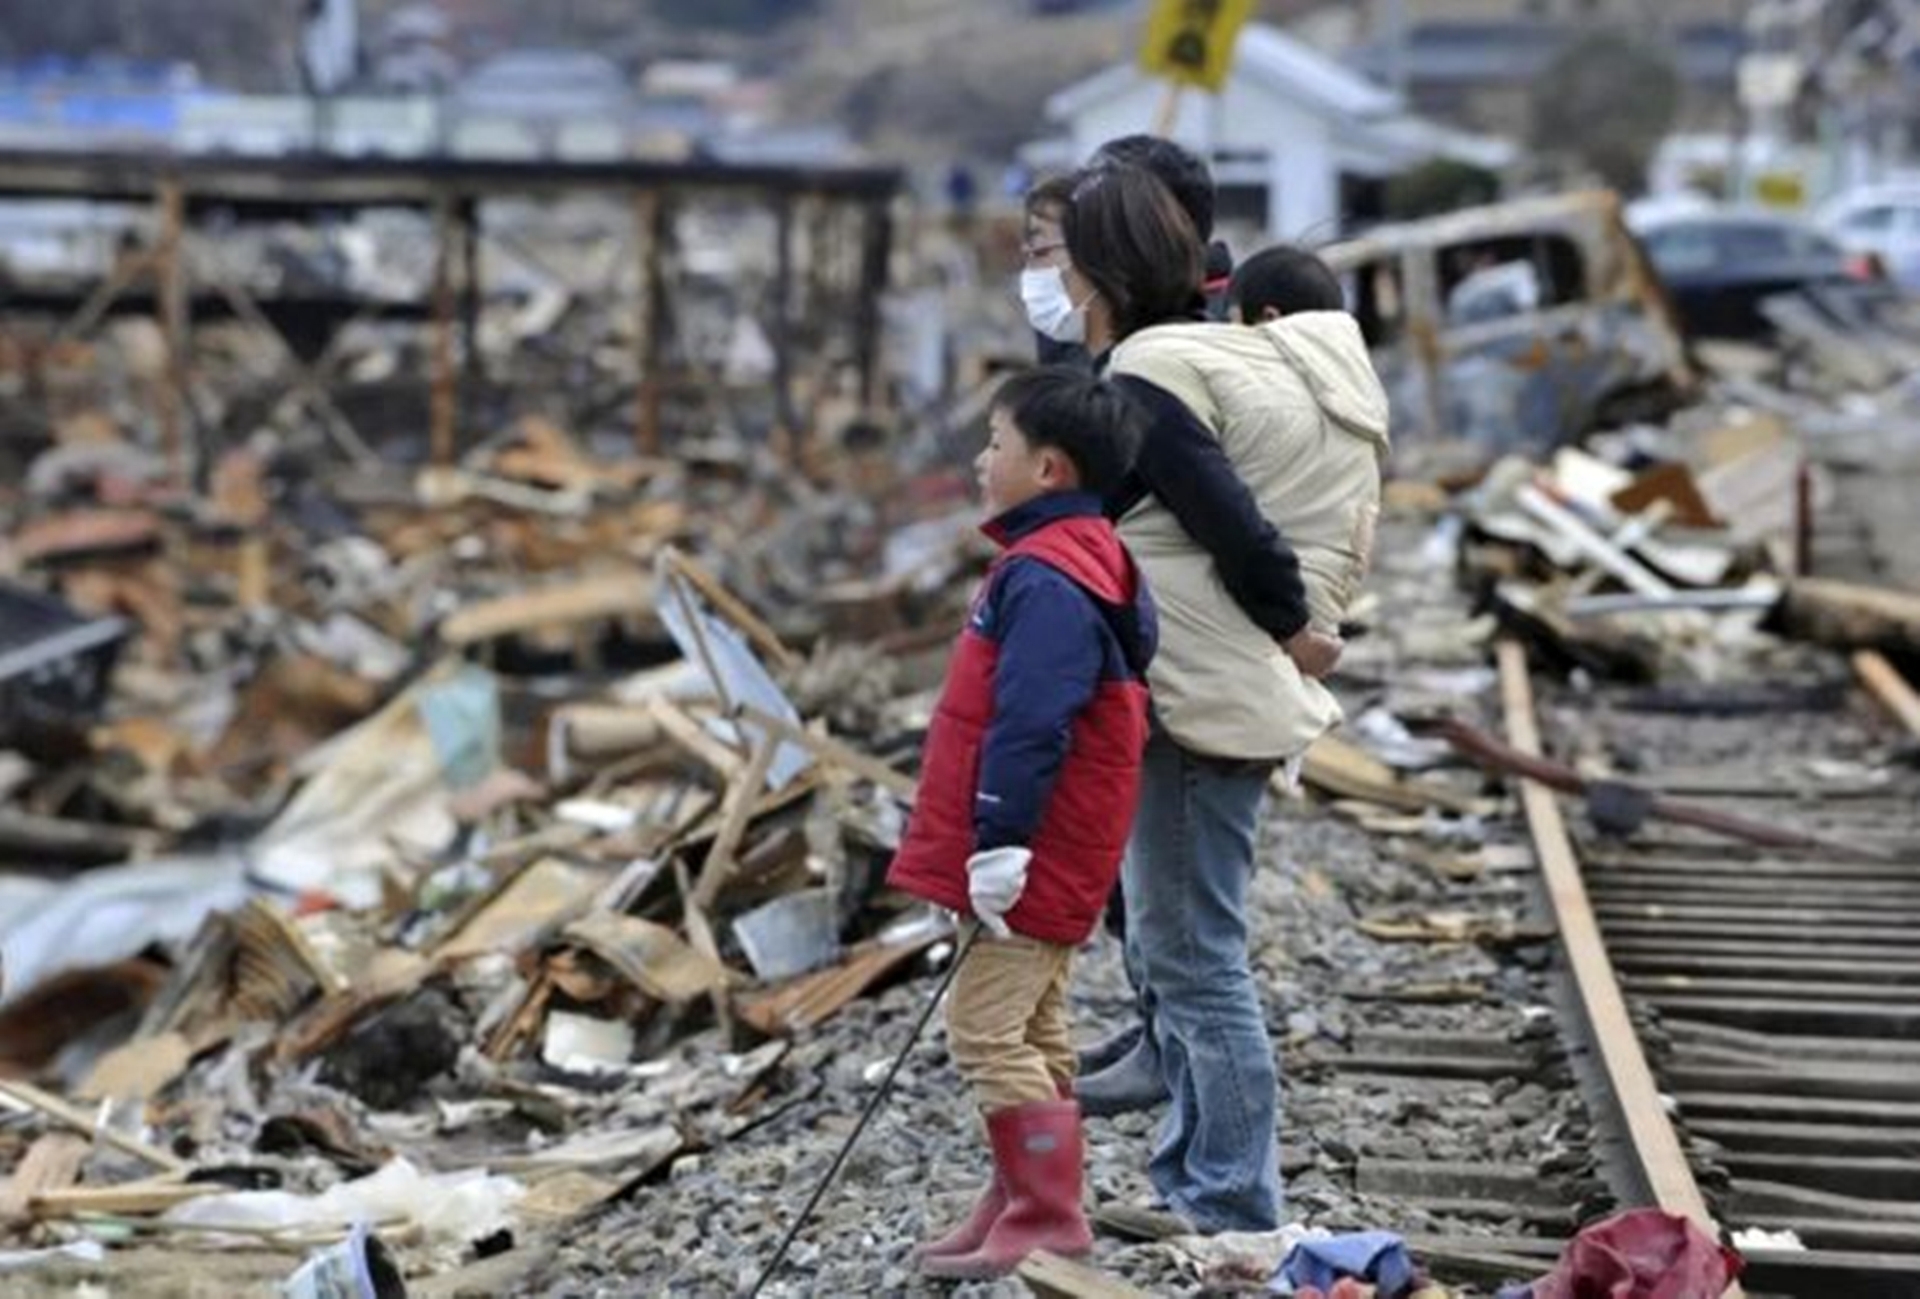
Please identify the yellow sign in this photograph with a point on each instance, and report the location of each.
(1780, 189)
(1190, 42)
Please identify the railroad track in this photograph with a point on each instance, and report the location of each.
(1768, 996)
(1741, 1023)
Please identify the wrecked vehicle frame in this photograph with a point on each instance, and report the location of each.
(1517, 325)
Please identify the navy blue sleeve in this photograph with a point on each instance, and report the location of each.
(1051, 640)
(1183, 464)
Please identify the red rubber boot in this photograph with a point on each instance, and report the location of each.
(967, 1237)
(1038, 1151)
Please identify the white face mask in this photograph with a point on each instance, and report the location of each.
(1050, 307)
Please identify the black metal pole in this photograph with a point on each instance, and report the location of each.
(866, 1116)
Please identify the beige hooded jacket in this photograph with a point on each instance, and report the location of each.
(1303, 419)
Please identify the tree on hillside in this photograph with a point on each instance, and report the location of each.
(1604, 103)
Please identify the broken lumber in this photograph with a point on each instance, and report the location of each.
(50, 1164)
(133, 1198)
(684, 729)
(732, 608)
(1636, 576)
(51, 1106)
(1052, 1277)
(1847, 616)
(742, 796)
(608, 595)
(835, 753)
(1345, 770)
(811, 999)
(1889, 687)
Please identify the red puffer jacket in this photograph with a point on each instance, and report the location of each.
(1040, 727)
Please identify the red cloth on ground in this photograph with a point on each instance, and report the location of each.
(1641, 1254)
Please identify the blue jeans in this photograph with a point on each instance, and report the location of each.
(1217, 1159)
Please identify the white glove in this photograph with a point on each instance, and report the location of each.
(995, 880)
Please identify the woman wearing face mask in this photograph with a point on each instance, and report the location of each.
(1233, 436)
(1043, 296)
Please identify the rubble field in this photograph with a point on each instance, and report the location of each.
(485, 861)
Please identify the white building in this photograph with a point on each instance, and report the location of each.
(1290, 126)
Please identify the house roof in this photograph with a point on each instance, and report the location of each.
(1266, 56)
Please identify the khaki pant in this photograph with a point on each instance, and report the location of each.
(1007, 1021)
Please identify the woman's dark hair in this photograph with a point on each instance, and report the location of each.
(1287, 278)
(1050, 196)
(1088, 420)
(1131, 239)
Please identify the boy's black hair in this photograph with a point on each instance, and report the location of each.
(1088, 420)
(1179, 169)
(1287, 278)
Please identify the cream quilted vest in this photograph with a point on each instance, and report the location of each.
(1303, 418)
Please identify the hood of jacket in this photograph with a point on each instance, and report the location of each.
(1330, 355)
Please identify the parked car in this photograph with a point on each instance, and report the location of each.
(1882, 222)
(1718, 267)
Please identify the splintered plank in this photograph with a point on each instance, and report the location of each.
(1053, 1277)
(1889, 687)
(79, 1120)
(132, 1199)
(606, 595)
(50, 1164)
(812, 999)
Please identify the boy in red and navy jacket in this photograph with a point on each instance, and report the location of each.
(1027, 792)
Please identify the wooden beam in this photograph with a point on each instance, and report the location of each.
(1850, 616)
(604, 595)
(650, 231)
(1662, 1163)
(699, 927)
(1889, 687)
(876, 257)
(732, 608)
(175, 326)
(685, 730)
(742, 798)
(105, 294)
(52, 1107)
(835, 753)
(467, 217)
(307, 384)
(135, 1198)
(51, 1163)
(780, 316)
(1053, 1277)
(442, 395)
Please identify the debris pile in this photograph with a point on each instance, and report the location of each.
(372, 856)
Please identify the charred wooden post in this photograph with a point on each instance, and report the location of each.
(650, 233)
(176, 326)
(780, 317)
(876, 249)
(443, 393)
(472, 363)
